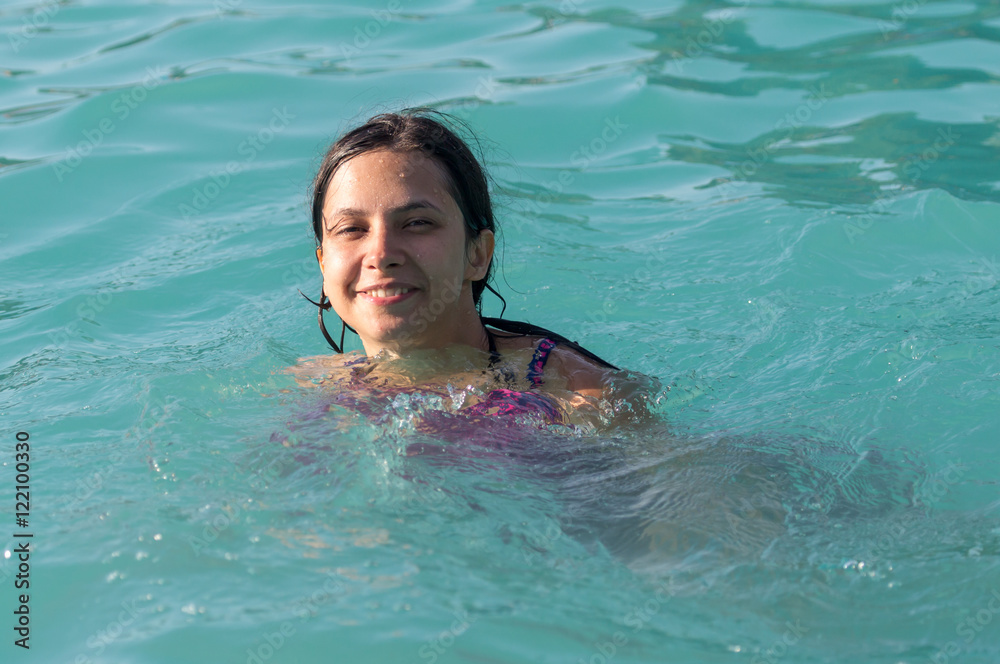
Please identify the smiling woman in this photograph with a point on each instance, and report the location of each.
(394, 249)
(405, 235)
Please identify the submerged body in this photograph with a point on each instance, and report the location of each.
(523, 386)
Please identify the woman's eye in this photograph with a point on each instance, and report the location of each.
(418, 222)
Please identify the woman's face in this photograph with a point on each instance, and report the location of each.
(396, 263)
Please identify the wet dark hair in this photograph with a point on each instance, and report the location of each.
(434, 134)
(426, 131)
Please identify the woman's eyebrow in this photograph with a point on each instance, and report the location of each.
(409, 207)
(416, 205)
(347, 212)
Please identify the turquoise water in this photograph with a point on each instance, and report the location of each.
(785, 212)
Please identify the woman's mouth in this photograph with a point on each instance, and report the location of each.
(384, 296)
(387, 292)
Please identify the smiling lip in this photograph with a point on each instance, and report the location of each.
(387, 294)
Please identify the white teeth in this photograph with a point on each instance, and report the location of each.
(392, 292)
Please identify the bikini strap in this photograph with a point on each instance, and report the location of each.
(537, 365)
(503, 373)
(517, 327)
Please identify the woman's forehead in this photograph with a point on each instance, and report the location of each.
(384, 178)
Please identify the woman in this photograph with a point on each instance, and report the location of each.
(405, 237)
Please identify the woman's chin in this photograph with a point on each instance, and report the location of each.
(396, 339)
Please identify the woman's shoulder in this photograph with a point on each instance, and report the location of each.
(318, 369)
(577, 372)
(621, 396)
(582, 374)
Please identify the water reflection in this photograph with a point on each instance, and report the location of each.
(855, 163)
(800, 160)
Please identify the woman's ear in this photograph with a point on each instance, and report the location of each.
(319, 257)
(480, 256)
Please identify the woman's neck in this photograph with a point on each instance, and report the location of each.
(463, 327)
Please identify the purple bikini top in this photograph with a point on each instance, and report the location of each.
(485, 428)
(508, 402)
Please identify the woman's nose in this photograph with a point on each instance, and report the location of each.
(384, 249)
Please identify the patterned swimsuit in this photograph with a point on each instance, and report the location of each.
(505, 421)
(510, 403)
